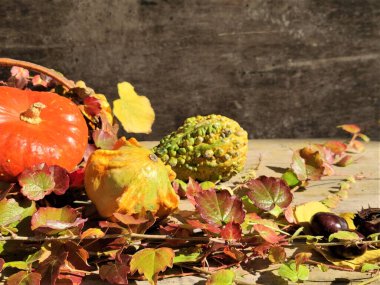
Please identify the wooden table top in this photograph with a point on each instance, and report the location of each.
(277, 153)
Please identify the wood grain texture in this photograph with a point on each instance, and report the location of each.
(278, 153)
(283, 69)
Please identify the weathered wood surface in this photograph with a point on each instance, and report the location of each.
(283, 69)
(277, 153)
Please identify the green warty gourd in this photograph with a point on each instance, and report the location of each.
(206, 148)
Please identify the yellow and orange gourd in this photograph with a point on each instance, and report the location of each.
(130, 179)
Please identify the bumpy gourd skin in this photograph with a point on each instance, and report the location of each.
(206, 148)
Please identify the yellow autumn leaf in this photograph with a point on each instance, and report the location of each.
(349, 217)
(304, 212)
(133, 111)
(370, 256)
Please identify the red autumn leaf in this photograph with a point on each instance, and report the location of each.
(77, 178)
(262, 248)
(350, 128)
(193, 189)
(54, 220)
(114, 273)
(268, 234)
(175, 230)
(77, 256)
(336, 147)
(268, 192)
(92, 105)
(289, 215)
(51, 266)
(69, 279)
(24, 278)
(231, 231)
(2, 262)
(196, 224)
(219, 207)
(314, 162)
(234, 253)
(41, 180)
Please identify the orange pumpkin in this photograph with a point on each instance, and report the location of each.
(38, 127)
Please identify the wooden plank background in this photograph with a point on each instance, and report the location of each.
(283, 69)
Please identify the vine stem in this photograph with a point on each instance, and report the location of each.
(161, 237)
(38, 68)
(313, 262)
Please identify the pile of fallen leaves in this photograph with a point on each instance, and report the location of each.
(51, 233)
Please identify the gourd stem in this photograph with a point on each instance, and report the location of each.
(38, 68)
(32, 115)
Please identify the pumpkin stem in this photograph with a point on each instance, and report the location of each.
(32, 115)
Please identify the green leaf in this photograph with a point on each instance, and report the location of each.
(369, 267)
(22, 265)
(364, 137)
(150, 262)
(344, 235)
(10, 212)
(222, 277)
(286, 272)
(133, 111)
(290, 178)
(13, 212)
(185, 255)
(289, 271)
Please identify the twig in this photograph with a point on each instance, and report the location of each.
(313, 262)
(38, 68)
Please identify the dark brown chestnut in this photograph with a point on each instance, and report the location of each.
(350, 251)
(325, 224)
